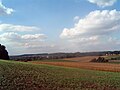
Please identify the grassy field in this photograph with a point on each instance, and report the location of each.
(27, 76)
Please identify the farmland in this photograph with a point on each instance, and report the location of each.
(82, 62)
(27, 76)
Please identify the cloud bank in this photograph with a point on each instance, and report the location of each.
(95, 23)
(22, 39)
(94, 30)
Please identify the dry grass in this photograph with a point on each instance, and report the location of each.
(83, 62)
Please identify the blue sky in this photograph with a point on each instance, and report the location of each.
(49, 18)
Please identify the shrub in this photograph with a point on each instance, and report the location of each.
(99, 59)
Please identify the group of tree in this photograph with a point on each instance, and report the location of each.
(3, 53)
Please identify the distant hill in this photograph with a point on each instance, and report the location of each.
(30, 57)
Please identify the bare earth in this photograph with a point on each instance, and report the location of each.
(84, 63)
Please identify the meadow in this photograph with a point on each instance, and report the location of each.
(27, 76)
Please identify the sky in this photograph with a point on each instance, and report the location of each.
(48, 26)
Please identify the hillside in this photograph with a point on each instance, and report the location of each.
(27, 76)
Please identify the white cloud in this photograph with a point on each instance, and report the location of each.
(103, 3)
(76, 18)
(35, 36)
(12, 36)
(23, 43)
(22, 39)
(95, 23)
(4, 10)
(17, 28)
(94, 30)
